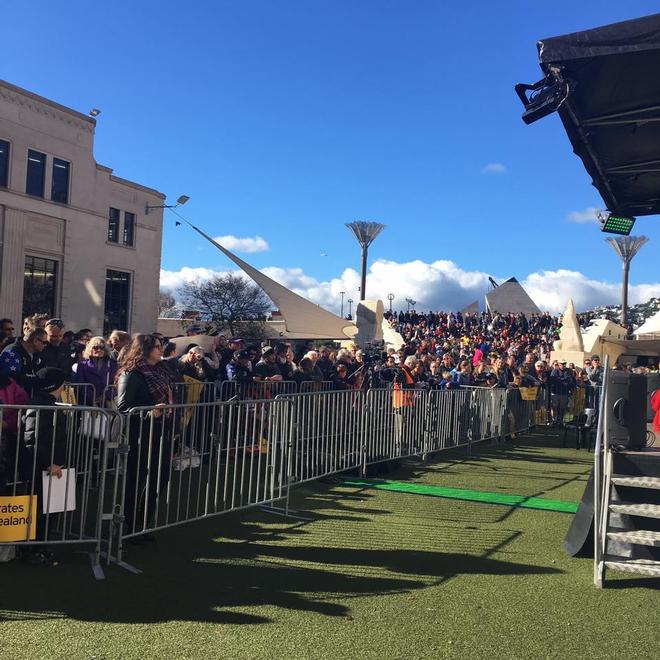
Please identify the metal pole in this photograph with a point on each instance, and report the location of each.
(363, 284)
(624, 294)
(350, 302)
(342, 293)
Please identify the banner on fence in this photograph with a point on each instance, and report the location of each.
(16, 515)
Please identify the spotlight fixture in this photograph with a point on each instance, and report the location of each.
(94, 112)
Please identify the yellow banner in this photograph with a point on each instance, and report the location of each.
(16, 516)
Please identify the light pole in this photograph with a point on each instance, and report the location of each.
(390, 297)
(350, 302)
(181, 200)
(365, 232)
(342, 294)
(626, 247)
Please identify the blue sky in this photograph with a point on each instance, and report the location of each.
(287, 119)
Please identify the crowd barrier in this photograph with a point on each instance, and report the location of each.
(53, 476)
(152, 468)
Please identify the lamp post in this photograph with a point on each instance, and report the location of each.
(390, 297)
(365, 232)
(626, 247)
(342, 294)
(350, 303)
(181, 200)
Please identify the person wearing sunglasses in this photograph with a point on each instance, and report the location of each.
(98, 369)
(22, 359)
(56, 353)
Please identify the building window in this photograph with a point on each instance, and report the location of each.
(36, 173)
(39, 286)
(113, 226)
(4, 163)
(117, 301)
(129, 228)
(60, 188)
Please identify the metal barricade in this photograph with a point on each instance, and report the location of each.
(327, 432)
(309, 386)
(256, 390)
(227, 456)
(51, 496)
(78, 394)
(191, 392)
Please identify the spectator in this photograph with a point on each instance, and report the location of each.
(97, 369)
(267, 369)
(193, 364)
(22, 359)
(143, 381)
(117, 340)
(55, 353)
(6, 333)
(45, 440)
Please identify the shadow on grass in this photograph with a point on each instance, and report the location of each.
(190, 575)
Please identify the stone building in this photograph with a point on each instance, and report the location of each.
(76, 241)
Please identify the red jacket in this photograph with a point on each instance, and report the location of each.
(12, 394)
(655, 404)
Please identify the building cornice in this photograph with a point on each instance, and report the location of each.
(45, 107)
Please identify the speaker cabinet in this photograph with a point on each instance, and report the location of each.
(626, 405)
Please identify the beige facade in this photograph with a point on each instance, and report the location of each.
(67, 254)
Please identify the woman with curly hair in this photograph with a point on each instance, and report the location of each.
(143, 381)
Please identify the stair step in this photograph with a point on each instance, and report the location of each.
(644, 510)
(636, 482)
(638, 566)
(639, 537)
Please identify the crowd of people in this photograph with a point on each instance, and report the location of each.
(443, 351)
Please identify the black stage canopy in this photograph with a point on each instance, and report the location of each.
(606, 84)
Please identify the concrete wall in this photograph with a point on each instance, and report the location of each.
(73, 234)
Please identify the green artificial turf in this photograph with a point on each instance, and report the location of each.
(540, 503)
(373, 574)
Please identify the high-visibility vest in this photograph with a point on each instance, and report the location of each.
(400, 397)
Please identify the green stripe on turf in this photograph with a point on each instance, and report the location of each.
(465, 494)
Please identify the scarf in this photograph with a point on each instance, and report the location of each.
(158, 381)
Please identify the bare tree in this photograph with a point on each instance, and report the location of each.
(230, 302)
(167, 307)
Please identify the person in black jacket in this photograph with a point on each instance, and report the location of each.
(144, 382)
(45, 449)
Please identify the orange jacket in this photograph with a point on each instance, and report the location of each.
(403, 397)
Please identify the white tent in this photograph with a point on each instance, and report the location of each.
(650, 327)
(302, 317)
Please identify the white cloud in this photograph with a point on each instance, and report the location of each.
(494, 168)
(586, 216)
(248, 244)
(440, 285)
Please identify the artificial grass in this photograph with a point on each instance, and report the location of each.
(374, 575)
(539, 503)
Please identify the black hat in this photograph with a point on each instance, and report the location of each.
(267, 350)
(242, 355)
(49, 379)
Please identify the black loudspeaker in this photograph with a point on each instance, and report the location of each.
(652, 384)
(626, 409)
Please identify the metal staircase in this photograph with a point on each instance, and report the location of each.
(626, 512)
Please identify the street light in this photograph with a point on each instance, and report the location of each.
(390, 297)
(342, 294)
(350, 302)
(626, 247)
(411, 303)
(365, 232)
(182, 200)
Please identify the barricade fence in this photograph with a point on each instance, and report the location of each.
(53, 467)
(155, 468)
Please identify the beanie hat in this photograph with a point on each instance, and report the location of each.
(49, 379)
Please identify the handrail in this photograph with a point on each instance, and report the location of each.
(601, 446)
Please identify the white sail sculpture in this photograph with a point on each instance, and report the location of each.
(302, 318)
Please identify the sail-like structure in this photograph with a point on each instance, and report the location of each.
(303, 319)
(511, 297)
